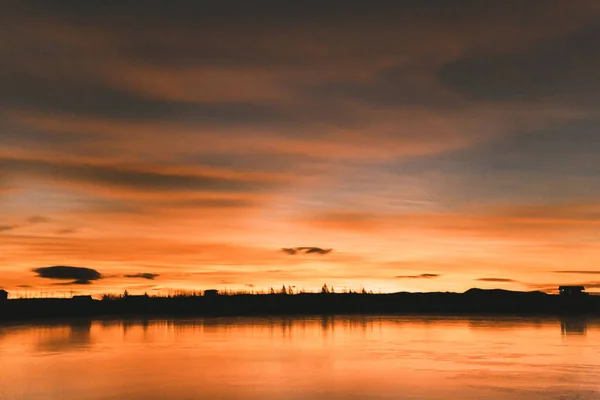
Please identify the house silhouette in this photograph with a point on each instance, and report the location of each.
(571, 291)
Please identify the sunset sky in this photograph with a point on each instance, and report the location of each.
(408, 145)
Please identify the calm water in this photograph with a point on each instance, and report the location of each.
(302, 358)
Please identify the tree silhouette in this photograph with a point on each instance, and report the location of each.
(325, 289)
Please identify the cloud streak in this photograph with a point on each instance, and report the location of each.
(292, 251)
(577, 272)
(143, 275)
(130, 178)
(420, 276)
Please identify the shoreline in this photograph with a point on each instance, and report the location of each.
(470, 303)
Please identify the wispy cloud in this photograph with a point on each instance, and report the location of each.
(37, 219)
(421, 276)
(578, 272)
(143, 275)
(305, 250)
(496, 280)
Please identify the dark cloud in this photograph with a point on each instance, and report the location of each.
(496, 280)
(79, 275)
(563, 69)
(211, 203)
(554, 162)
(85, 98)
(24, 286)
(76, 282)
(143, 275)
(393, 86)
(578, 272)
(421, 276)
(30, 221)
(130, 178)
(267, 34)
(305, 250)
(37, 219)
(317, 250)
(261, 161)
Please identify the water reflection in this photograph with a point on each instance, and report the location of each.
(576, 326)
(315, 357)
(59, 339)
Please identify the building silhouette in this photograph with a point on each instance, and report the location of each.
(572, 291)
(3, 295)
(82, 298)
(211, 292)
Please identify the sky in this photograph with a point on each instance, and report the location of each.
(408, 145)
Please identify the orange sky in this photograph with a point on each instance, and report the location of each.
(431, 147)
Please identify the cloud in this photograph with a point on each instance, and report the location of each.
(493, 217)
(578, 272)
(496, 280)
(66, 231)
(131, 178)
(80, 275)
(30, 221)
(545, 72)
(305, 250)
(143, 275)
(37, 219)
(421, 276)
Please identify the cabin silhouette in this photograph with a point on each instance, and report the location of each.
(82, 298)
(572, 291)
(3, 295)
(211, 292)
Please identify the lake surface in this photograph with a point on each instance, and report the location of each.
(302, 358)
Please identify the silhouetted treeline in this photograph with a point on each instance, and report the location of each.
(474, 301)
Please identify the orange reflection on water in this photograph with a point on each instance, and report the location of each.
(302, 358)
